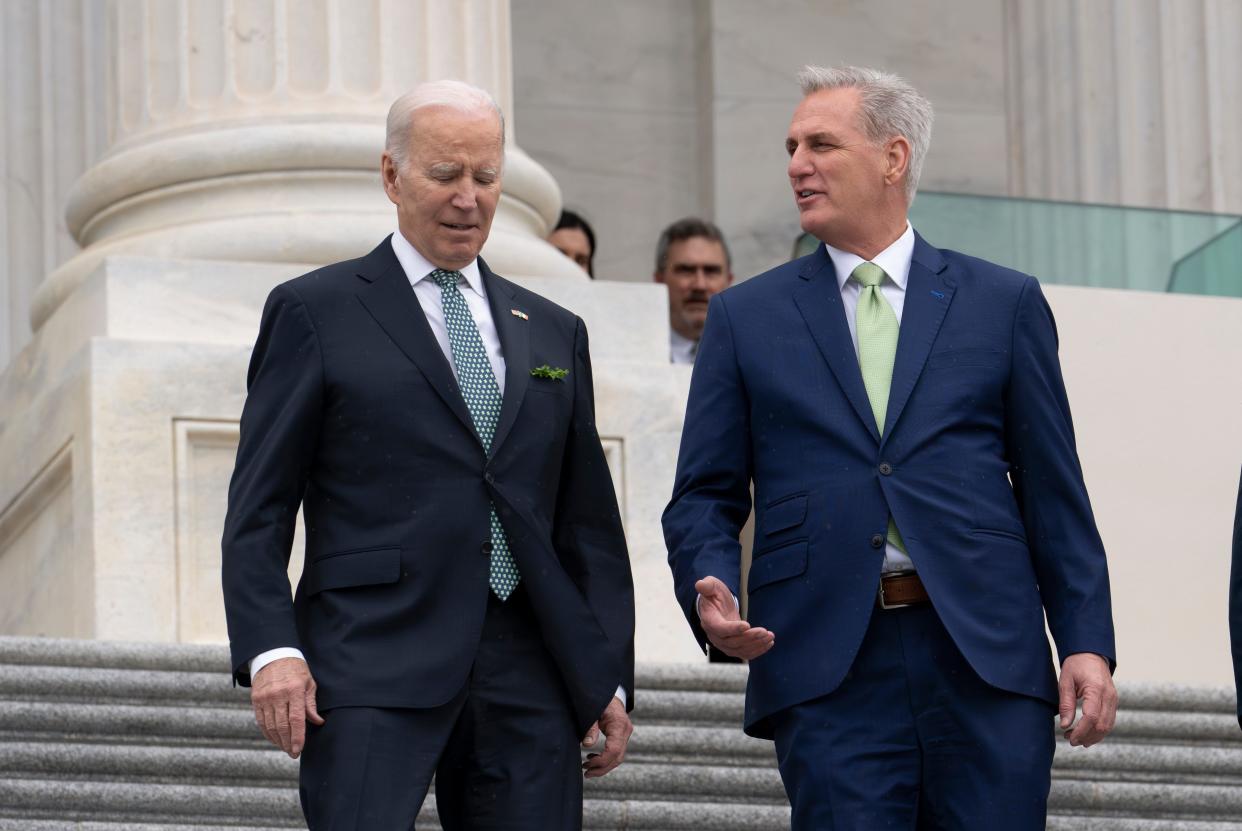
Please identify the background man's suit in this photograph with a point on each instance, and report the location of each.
(976, 401)
(354, 412)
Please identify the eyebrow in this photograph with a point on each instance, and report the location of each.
(443, 168)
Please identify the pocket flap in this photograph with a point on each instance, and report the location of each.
(777, 564)
(786, 512)
(369, 567)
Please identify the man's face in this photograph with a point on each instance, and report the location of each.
(839, 177)
(696, 269)
(573, 243)
(446, 196)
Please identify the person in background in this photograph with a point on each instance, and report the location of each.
(692, 259)
(574, 238)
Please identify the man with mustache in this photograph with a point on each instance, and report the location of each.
(692, 259)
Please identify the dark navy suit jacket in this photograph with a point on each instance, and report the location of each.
(1235, 604)
(977, 465)
(353, 412)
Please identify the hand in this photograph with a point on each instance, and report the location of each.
(1085, 676)
(617, 728)
(724, 627)
(283, 697)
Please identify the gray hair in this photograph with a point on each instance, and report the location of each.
(447, 93)
(889, 107)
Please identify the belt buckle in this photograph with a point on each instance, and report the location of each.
(886, 605)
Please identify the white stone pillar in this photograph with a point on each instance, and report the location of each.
(1128, 102)
(251, 130)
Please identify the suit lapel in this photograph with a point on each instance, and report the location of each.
(514, 335)
(818, 298)
(928, 295)
(387, 294)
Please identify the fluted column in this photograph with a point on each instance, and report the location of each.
(1126, 102)
(252, 130)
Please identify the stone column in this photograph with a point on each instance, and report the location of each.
(251, 130)
(1128, 102)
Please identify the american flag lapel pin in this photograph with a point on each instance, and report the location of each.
(519, 313)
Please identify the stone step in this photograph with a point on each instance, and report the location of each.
(100, 737)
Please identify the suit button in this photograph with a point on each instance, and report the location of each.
(877, 541)
(489, 478)
(886, 468)
(487, 547)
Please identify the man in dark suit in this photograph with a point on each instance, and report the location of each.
(1235, 603)
(466, 607)
(920, 505)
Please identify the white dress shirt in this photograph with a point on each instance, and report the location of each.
(681, 349)
(418, 271)
(895, 260)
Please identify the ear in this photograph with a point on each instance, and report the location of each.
(388, 173)
(657, 277)
(729, 277)
(896, 159)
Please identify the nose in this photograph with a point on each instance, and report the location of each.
(465, 197)
(799, 164)
(700, 279)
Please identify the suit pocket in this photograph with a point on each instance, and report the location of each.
(953, 358)
(776, 564)
(349, 569)
(786, 512)
(1011, 536)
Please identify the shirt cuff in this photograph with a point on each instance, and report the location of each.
(264, 658)
(621, 695)
(698, 605)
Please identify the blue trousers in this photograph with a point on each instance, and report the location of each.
(914, 739)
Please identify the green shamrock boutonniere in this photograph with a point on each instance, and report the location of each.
(552, 373)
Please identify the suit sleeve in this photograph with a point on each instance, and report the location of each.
(1235, 603)
(711, 493)
(588, 522)
(1052, 497)
(279, 431)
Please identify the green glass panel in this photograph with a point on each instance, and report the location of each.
(1087, 245)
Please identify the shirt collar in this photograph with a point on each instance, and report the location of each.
(895, 260)
(418, 268)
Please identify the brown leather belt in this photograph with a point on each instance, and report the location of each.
(900, 590)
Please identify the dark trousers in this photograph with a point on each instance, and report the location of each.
(504, 751)
(914, 739)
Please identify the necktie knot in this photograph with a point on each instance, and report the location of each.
(869, 274)
(445, 279)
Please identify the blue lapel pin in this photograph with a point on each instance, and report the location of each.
(939, 295)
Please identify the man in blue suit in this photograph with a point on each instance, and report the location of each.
(900, 413)
(466, 608)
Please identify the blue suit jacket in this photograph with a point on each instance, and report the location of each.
(1235, 604)
(983, 476)
(354, 413)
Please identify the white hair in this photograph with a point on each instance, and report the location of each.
(889, 107)
(447, 93)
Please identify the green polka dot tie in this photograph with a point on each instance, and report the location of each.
(877, 327)
(483, 400)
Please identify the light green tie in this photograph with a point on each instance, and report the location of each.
(877, 327)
